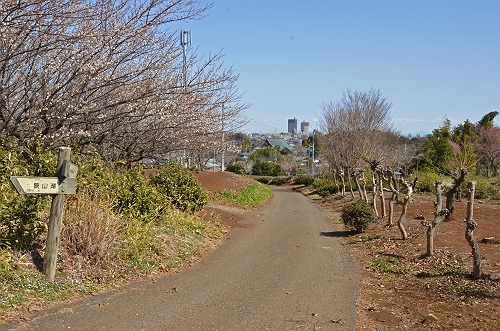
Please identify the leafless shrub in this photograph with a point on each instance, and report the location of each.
(90, 231)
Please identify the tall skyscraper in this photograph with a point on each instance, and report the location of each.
(304, 127)
(292, 125)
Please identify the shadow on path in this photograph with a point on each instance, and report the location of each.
(337, 234)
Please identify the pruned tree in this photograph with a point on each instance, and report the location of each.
(469, 231)
(458, 179)
(409, 188)
(359, 179)
(393, 181)
(439, 212)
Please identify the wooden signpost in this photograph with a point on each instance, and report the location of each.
(64, 183)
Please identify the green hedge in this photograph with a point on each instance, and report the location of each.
(304, 180)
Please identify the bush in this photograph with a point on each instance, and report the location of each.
(136, 197)
(91, 229)
(181, 188)
(426, 180)
(304, 180)
(325, 186)
(266, 169)
(487, 189)
(21, 215)
(236, 168)
(358, 215)
(279, 180)
(6, 268)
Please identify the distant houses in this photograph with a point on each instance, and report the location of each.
(283, 145)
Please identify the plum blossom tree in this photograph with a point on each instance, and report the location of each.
(108, 74)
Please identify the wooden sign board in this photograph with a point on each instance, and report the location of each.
(44, 185)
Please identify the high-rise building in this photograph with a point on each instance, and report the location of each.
(304, 127)
(292, 125)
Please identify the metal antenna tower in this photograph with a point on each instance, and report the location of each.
(185, 41)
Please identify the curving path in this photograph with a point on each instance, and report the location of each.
(285, 270)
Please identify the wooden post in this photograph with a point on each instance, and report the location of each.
(55, 221)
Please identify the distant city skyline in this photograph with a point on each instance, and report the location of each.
(430, 59)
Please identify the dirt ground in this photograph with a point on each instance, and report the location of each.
(401, 289)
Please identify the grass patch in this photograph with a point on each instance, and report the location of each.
(253, 195)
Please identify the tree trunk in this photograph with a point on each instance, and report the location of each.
(334, 173)
(342, 178)
(392, 201)
(409, 191)
(469, 235)
(402, 217)
(363, 184)
(381, 192)
(450, 195)
(350, 183)
(438, 213)
(374, 192)
(394, 196)
(358, 186)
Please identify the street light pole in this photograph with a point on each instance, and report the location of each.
(223, 148)
(312, 163)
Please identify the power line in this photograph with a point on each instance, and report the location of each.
(268, 128)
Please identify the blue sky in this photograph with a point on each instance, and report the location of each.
(430, 59)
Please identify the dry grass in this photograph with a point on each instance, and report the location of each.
(90, 231)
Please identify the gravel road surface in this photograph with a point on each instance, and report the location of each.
(285, 269)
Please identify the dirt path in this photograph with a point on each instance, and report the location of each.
(286, 269)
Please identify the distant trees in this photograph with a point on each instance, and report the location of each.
(109, 74)
(358, 132)
(314, 140)
(351, 125)
(489, 145)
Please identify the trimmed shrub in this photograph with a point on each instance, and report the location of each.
(325, 186)
(279, 180)
(236, 168)
(181, 188)
(266, 169)
(304, 180)
(358, 215)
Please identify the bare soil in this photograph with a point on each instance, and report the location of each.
(401, 288)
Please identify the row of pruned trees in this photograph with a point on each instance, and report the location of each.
(109, 74)
(358, 134)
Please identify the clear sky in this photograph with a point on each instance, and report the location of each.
(430, 58)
